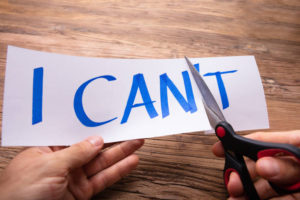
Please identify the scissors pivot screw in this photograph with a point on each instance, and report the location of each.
(221, 131)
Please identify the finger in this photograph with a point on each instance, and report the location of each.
(251, 166)
(79, 154)
(114, 173)
(279, 170)
(235, 186)
(43, 149)
(238, 198)
(111, 156)
(288, 197)
(264, 190)
(218, 149)
(57, 148)
(236, 190)
(32, 152)
(289, 137)
(109, 144)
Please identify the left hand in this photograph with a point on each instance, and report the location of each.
(77, 172)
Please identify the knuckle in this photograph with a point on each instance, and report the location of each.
(119, 172)
(123, 150)
(104, 162)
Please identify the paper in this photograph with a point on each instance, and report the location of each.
(53, 99)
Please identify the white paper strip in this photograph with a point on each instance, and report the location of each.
(53, 99)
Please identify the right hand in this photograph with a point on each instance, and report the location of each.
(280, 170)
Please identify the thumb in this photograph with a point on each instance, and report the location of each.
(279, 170)
(81, 153)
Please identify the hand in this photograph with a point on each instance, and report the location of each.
(77, 172)
(280, 171)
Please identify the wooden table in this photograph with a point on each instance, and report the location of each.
(179, 166)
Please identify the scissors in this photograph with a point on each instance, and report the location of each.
(236, 146)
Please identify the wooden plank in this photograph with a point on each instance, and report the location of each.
(180, 166)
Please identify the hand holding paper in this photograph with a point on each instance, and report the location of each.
(76, 172)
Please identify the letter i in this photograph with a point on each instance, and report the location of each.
(37, 95)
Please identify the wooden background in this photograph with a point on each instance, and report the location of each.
(180, 166)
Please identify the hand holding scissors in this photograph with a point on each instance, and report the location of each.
(236, 147)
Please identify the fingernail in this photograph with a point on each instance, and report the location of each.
(96, 140)
(269, 167)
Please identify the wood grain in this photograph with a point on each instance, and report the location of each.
(180, 166)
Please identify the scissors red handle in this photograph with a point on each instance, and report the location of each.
(236, 147)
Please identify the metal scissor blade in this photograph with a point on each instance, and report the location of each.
(213, 111)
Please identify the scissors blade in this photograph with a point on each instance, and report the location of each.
(213, 111)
